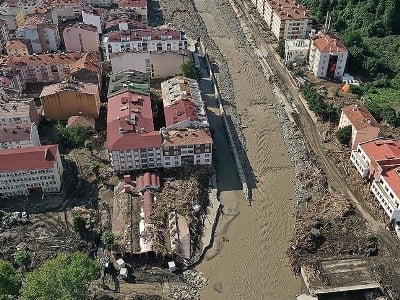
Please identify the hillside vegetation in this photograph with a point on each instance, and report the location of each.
(371, 31)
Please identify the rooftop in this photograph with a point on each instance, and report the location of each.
(16, 108)
(130, 122)
(132, 3)
(129, 81)
(359, 116)
(185, 137)
(79, 87)
(114, 23)
(82, 26)
(90, 61)
(16, 44)
(382, 150)
(11, 133)
(179, 111)
(329, 43)
(80, 121)
(93, 10)
(153, 34)
(63, 2)
(289, 9)
(31, 158)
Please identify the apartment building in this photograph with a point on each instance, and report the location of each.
(363, 124)
(43, 36)
(66, 9)
(186, 147)
(4, 36)
(46, 13)
(70, 98)
(93, 16)
(17, 111)
(58, 67)
(30, 169)
(81, 38)
(131, 139)
(379, 161)
(13, 16)
(129, 81)
(138, 6)
(296, 51)
(18, 47)
(328, 56)
(156, 39)
(123, 22)
(26, 5)
(19, 136)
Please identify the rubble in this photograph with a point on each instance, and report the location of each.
(9, 220)
(191, 283)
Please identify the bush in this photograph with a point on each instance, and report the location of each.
(89, 145)
(280, 49)
(94, 168)
(23, 257)
(107, 238)
(344, 135)
(79, 223)
(74, 137)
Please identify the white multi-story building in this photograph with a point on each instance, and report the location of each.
(296, 51)
(30, 169)
(19, 136)
(156, 39)
(379, 161)
(287, 19)
(328, 56)
(93, 16)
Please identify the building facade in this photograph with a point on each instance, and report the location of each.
(328, 56)
(42, 36)
(93, 16)
(30, 169)
(363, 124)
(296, 51)
(66, 99)
(145, 40)
(379, 161)
(81, 37)
(4, 36)
(66, 9)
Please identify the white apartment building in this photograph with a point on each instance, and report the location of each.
(19, 136)
(328, 56)
(30, 169)
(379, 161)
(296, 51)
(145, 40)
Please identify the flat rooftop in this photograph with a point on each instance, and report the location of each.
(332, 276)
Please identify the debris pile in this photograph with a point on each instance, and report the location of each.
(191, 283)
(9, 220)
(330, 228)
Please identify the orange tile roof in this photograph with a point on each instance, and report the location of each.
(179, 111)
(392, 177)
(381, 149)
(81, 87)
(89, 61)
(359, 116)
(185, 137)
(328, 42)
(81, 121)
(16, 44)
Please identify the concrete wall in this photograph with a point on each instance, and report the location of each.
(78, 39)
(166, 64)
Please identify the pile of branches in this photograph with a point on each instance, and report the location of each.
(326, 230)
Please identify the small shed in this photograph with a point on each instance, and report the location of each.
(121, 263)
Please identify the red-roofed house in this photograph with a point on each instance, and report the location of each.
(328, 56)
(131, 140)
(181, 114)
(364, 126)
(147, 181)
(379, 161)
(30, 169)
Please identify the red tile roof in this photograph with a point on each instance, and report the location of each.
(12, 133)
(147, 180)
(122, 132)
(80, 121)
(360, 117)
(185, 137)
(293, 12)
(179, 111)
(381, 149)
(328, 43)
(17, 44)
(32, 158)
(392, 177)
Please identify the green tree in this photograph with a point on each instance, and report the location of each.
(23, 257)
(391, 116)
(10, 280)
(64, 277)
(187, 69)
(89, 145)
(79, 223)
(74, 137)
(344, 135)
(107, 238)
